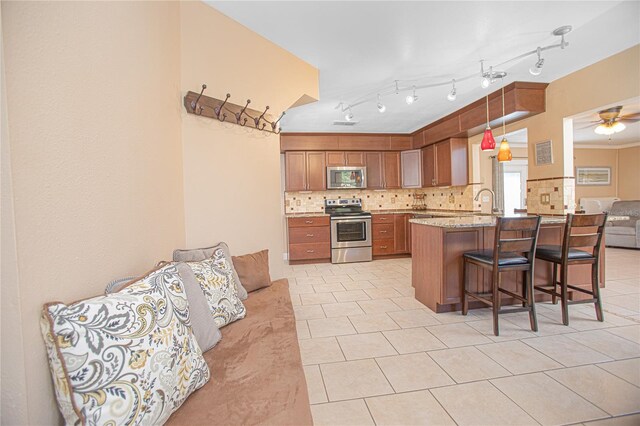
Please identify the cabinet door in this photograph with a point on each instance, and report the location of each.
(428, 167)
(411, 166)
(335, 158)
(295, 171)
(400, 233)
(391, 170)
(443, 163)
(375, 173)
(316, 171)
(355, 159)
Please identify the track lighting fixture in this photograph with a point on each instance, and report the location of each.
(381, 107)
(487, 78)
(412, 98)
(349, 115)
(452, 94)
(536, 69)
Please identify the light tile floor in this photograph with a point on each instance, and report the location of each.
(375, 355)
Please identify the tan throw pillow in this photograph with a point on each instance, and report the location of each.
(253, 270)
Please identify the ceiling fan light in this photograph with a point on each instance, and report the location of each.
(604, 129)
(618, 127)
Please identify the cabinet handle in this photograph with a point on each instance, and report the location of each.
(383, 232)
(311, 251)
(308, 221)
(309, 235)
(383, 218)
(383, 247)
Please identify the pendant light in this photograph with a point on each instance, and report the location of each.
(504, 153)
(488, 142)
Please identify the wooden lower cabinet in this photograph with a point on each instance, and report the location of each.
(309, 238)
(437, 264)
(389, 234)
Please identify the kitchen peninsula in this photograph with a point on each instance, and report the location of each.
(437, 245)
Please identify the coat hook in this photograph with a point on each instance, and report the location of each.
(275, 123)
(224, 117)
(218, 110)
(244, 122)
(257, 120)
(193, 104)
(239, 115)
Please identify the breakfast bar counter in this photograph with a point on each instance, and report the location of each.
(437, 246)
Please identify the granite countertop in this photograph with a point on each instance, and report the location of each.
(308, 214)
(476, 221)
(444, 213)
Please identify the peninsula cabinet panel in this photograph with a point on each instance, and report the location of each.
(455, 244)
(295, 164)
(392, 177)
(375, 172)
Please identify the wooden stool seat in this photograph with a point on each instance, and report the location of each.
(580, 245)
(508, 254)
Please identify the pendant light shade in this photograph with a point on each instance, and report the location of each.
(488, 142)
(504, 153)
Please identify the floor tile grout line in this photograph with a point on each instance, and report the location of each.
(517, 405)
(571, 390)
(614, 374)
(443, 407)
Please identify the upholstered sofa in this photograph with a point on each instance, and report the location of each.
(625, 233)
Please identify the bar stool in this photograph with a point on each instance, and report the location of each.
(508, 254)
(567, 255)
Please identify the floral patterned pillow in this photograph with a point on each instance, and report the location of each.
(126, 358)
(216, 278)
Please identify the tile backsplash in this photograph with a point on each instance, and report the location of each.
(450, 198)
(551, 196)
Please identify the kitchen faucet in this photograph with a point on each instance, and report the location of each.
(493, 199)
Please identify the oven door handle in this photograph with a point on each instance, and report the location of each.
(351, 220)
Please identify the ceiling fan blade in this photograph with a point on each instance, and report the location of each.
(629, 120)
(587, 126)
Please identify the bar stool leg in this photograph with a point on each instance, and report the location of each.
(554, 298)
(524, 288)
(495, 284)
(563, 293)
(532, 304)
(465, 285)
(595, 278)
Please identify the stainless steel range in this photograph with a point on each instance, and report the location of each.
(350, 231)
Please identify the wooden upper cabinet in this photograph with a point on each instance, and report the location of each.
(335, 158)
(295, 171)
(445, 163)
(354, 159)
(305, 171)
(316, 171)
(411, 166)
(401, 143)
(391, 168)
(375, 172)
(429, 166)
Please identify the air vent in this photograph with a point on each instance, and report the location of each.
(344, 123)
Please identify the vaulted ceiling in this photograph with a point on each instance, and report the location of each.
(361, 48)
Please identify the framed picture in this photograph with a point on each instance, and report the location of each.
(593, 175)
(544, 153)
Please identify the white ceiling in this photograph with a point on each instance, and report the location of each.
(584, 125)
(361, 47)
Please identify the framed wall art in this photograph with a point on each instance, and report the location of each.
(544, 153)
(593, 175)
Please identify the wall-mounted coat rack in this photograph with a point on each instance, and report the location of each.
(222, 110)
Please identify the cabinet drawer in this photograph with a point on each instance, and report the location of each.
(382, 218)
(383, 247)
(309, 251)
(310, 234)
(382, 231)
(296, 222)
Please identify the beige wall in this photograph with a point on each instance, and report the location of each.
(93, 95)
(597, 158)
(629, 166)
(232, 179)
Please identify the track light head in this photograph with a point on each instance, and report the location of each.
(536, 69)
(485, 82)
(381, 107)
(452, 94)
(349, 115)
(412, 98)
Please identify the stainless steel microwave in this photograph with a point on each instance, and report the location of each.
(346, 177)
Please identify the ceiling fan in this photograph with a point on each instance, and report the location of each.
(611, 121)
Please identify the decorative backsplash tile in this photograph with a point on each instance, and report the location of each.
(451, 198)
(551, 196)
